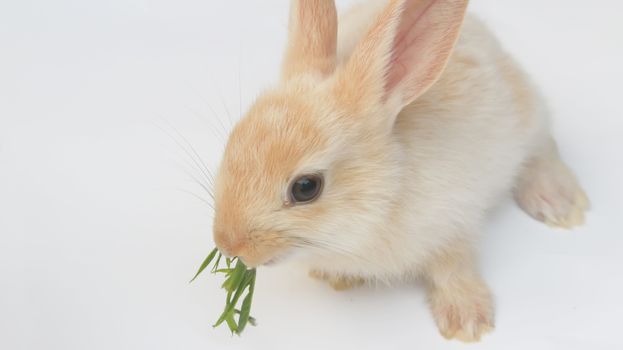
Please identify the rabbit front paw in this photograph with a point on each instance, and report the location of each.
(464, 315)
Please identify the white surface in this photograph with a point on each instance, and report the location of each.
(98, 242)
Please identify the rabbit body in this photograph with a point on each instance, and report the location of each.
(418, 123)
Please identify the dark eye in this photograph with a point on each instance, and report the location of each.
(306, 188)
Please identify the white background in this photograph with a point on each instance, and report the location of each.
(98, 237)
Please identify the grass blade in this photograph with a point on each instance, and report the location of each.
(218, 260)
(239, 279)
(234, 300)
(205, 263)
(235, 277)
(245, 309)
(231, 323)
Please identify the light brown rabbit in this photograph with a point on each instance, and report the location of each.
(379, 152)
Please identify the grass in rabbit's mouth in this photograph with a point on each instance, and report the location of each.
(238, 279)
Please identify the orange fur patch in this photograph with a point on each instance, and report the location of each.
(312, 38)
(263, 152)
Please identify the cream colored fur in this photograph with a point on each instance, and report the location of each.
(406, 193)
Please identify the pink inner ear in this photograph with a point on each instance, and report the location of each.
(421, 44)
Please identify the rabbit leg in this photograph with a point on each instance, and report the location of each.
(548, 190)
(339, 283)
(460, 301)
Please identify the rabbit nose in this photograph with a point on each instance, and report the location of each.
(230, 245)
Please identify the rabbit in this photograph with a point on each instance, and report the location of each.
(379, 152)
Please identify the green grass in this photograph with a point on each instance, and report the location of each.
(238, 280)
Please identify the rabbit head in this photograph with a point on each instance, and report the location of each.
(314, 166)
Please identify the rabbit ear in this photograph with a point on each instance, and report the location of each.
(311, 39)
(404, 52)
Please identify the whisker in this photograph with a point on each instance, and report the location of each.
(214, 114)
(201, 165)
(198, 197)
(226, 109)
(206, 182)
(174, 139)
(184, 164)
(239, 88)
(204, 186)
(221, 135)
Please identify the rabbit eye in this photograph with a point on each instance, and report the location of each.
(306, 188)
